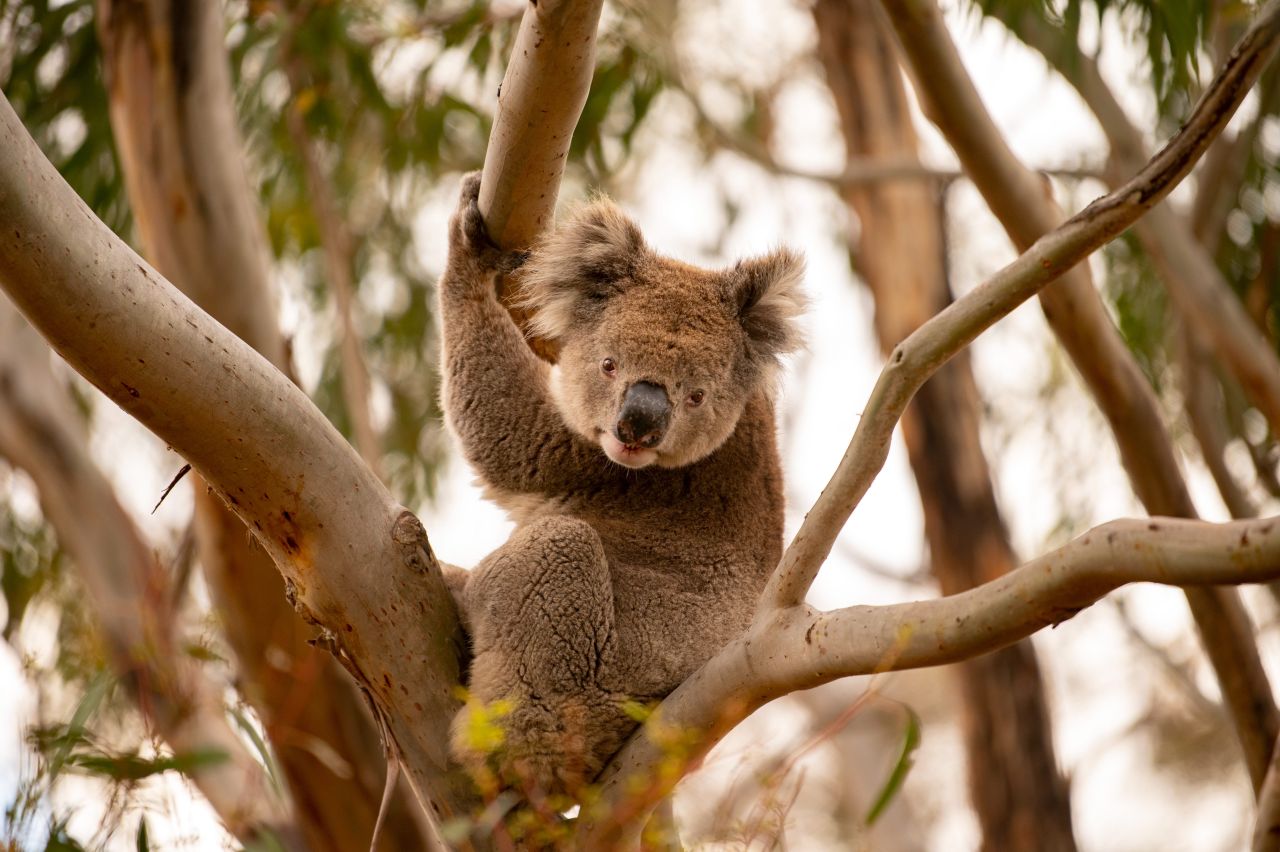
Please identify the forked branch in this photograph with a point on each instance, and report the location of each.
(799, 647)
(1081, 323)
(917, 357)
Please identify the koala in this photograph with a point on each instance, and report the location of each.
(641, 470)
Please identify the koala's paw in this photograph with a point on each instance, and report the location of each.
(469, 236)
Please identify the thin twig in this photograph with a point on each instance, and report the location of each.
(1195, 283)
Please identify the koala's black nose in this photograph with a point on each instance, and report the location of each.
(646, 411)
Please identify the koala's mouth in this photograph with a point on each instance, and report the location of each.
(628, 455)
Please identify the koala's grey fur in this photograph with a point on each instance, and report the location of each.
(622, 577)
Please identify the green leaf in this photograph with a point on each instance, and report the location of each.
(131, 766)
(203, 653)
(74, 733)
(893, 784)
(268, 759)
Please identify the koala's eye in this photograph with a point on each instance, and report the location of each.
(608, 367)
(695, 399)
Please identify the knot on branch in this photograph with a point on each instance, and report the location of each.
(411, 537)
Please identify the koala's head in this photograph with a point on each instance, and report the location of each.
(657, 358)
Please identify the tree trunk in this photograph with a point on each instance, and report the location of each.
(172, 113)
(42, 433)
(1224, 626)
(1021, 799)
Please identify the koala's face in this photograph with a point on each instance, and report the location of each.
(658, 358)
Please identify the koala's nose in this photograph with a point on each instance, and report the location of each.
(646, 411)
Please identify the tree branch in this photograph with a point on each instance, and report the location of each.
(1203, 403)
(133, 606)
(539, 102)
(173, 120)
(799, 647)
(1078, 318)
(336, 245)
(354, 560)
(1014, 780)
(1193, 280)
(858, 171)
(743, 675)
(739, 678)
(1266, 829)
(1220, 178)
(917, 357)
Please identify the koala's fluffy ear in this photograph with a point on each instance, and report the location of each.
(578, 266)
(770, 301)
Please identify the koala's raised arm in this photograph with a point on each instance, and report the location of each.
(496, 391)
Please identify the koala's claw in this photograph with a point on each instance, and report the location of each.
(472, 234)
(473, 226)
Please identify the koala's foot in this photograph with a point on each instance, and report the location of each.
(541, 612)
(542, 745)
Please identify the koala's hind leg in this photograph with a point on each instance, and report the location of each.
(542, 620)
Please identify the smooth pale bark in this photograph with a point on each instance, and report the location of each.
(354, 561)
(799, 647)
(41, 432)
(1019, 796)
(539, 102)
(1018, 198)
(360, 565)
(172, 113)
